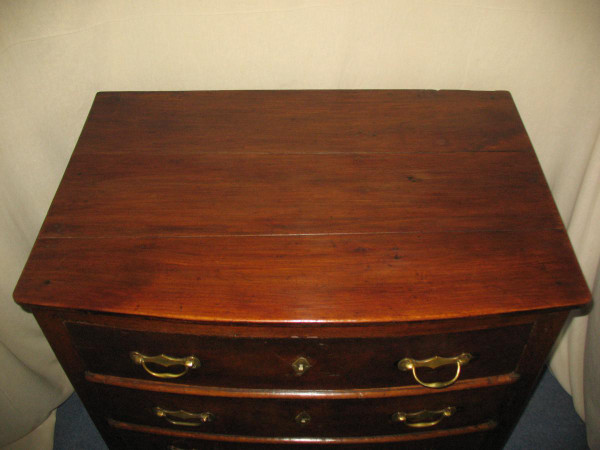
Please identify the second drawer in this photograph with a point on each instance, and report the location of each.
(302, 417)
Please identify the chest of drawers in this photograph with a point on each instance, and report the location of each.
(307, 269)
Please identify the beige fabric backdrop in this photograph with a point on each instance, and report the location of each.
(54, 56)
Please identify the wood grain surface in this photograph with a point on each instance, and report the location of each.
(303, 207)
(463, 438)
(337, 121)
(232, 362)
(333, 278)
(275, 418)
(249, 194)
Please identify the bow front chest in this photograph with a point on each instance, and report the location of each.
(304, 269)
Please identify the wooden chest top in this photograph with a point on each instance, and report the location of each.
(303, 207)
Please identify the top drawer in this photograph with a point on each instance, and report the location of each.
(296, 363)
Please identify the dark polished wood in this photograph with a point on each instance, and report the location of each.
(350, 228)
(467, 436)
(276, 417)
(302, 121)
(220, 194)
(339, 363)
(308, 279)
(329, 394)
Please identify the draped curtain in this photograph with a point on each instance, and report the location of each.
(55, 55)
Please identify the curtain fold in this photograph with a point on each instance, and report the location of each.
(584, 230)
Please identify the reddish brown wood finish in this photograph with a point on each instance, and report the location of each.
(385, 223)
(349, 227)
(276, 417)
(315, 394)
(336, 363)
(56, 330)
(308, 279)
(470, 438)
(302, 122)
(216, 194)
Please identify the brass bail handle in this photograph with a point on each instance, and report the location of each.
(423, 419)
(186, 418)
(188, 362)
(433, 363)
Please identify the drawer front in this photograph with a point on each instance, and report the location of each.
(296, 363)
(302, 418)
(132, 440)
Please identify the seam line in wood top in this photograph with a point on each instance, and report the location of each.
(358, 233)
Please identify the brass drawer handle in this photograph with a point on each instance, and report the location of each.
(423, 419)
(188, 419)
(188, 362)
(434, 363)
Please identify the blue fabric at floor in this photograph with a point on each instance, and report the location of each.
(74, 429)
(549, 422)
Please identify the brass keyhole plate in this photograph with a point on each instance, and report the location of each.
(300, 366)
